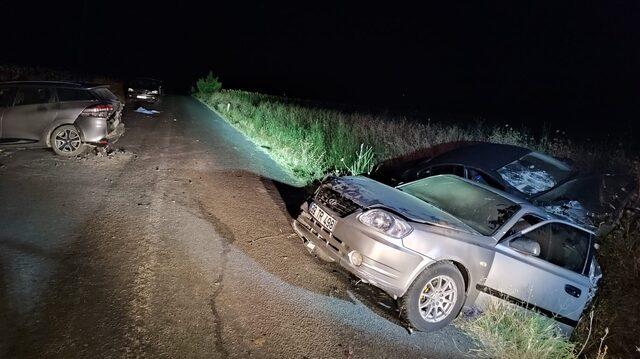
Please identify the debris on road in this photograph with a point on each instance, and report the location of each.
(146, 111)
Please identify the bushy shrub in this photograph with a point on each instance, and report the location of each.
(209, 85)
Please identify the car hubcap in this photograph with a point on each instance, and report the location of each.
(67, 141)
(437, 299)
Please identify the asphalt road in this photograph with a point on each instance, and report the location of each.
(178, 245)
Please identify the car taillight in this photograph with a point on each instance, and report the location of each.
(98, 111)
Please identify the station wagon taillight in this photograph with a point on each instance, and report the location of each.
(101, 110)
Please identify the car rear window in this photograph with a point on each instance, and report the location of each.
(104, 93)
(480, 209)
(65, 94)
(534, 173)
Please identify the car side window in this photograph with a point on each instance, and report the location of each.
(483, 178)
(65, 94)
(33, 96)
(523, 223)
(562, 245)
(6, 96)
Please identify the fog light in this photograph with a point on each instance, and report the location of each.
(355, 258)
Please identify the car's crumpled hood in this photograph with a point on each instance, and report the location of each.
(589, 200)
(368, 193)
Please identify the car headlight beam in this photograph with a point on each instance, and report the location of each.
(385, 222)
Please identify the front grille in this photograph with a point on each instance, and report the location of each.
(335, 201)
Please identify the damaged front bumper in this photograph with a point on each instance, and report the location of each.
(384, 265)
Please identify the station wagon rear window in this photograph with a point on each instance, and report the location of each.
(480, 209)
(534, 173)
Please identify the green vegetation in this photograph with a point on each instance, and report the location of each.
(311, 141)
(507, 332)
(209, 85)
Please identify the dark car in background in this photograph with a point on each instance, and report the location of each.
(144, 90)
(589, 199)
(68, 117)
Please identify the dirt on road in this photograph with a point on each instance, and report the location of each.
(178, 245)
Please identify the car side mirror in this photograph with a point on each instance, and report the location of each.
(525, 245)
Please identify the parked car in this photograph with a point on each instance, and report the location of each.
(444, 242)
(145, 90)
(68, 117)
(587, 199)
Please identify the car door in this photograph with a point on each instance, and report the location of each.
(555, 281)
(32, 111)
(7, 93)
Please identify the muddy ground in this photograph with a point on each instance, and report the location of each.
(177, 245)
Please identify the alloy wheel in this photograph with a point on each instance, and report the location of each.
(437, 298)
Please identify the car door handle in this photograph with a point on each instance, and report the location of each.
(572, 291)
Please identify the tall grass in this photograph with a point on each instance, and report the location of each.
(506, 332)
(312, 141)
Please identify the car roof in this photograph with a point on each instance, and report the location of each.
(67, 84)
(486, 156)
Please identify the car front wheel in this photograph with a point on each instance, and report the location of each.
(66, 141)
(434, 298)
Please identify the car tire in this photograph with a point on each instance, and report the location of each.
(66, 141)
(426, 312)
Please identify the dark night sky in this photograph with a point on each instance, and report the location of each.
(573, 64)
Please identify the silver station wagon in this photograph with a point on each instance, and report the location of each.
(444, 242)
(68, 117)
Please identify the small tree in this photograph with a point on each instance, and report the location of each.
(209, 84)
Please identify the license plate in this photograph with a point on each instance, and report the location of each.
(321, 216)
(142, 96)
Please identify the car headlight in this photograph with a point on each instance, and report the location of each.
(130, 89)
(154, 92)
(386, 223)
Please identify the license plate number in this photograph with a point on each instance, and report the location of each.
(321, 216)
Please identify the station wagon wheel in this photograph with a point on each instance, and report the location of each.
(66, 141)
(435, 297)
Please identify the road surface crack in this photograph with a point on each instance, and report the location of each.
(227, 238)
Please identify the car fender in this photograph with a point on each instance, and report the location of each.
(46, 134)
(471, 252)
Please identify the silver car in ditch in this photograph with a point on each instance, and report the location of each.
(444, 242)
(68, 117)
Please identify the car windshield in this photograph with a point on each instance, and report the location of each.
(480, 209)
(534, 173)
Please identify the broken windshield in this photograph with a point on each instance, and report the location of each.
(534, 173)
(480, 209)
